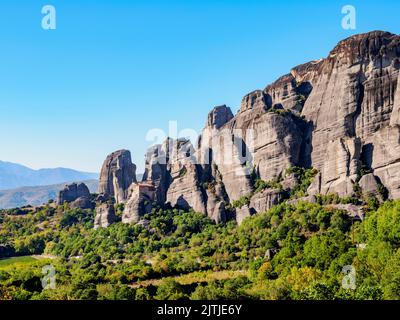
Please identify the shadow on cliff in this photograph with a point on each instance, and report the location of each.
(306, 147)
(182, 204)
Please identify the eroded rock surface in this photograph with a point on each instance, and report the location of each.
(72, 192)
(242, 213)
(354, 104)
(265, 200)
(140, 202)
(117, 174)
(105, 215)
(339, 115)
(369, 184)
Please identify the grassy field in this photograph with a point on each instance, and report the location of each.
(195, 277)
(17, 261)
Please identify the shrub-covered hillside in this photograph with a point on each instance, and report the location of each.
(290, 252)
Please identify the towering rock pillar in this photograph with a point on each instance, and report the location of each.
(354, 110)
(117, 174)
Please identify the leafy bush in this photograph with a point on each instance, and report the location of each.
(293, 251)
(242, 201)
(305, 178)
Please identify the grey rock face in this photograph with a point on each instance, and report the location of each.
(181, 180)
(352, 101)
(242, 213)
(105, 215)
(140, 202)
(117, 174)
(340, 174)
(82, 203)
(72, 192)
(254, 140)
(257, 101)
(219, 213)
(275, 144)
(354, 211)
(337, 114)
(185, 190)
(386, 158)
(219, 116)
(369, 184)
(224, 156)
(157, 168)
(229, 156)
(265, 200)
(315, 187)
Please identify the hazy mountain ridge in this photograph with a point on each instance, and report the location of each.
(35, 195)
(14, 176)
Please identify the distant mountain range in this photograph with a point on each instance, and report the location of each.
(14, 175)
(35, 195)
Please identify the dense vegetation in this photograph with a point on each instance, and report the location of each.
(290, 252)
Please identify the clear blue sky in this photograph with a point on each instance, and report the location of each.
(114, 69)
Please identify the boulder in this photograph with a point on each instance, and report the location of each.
(369, 184)
(242, 213)
(82, 203)
(105, 215)
(356, 212)
(265, 200)
(72, 192)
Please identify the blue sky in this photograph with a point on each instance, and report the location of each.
(114, 69)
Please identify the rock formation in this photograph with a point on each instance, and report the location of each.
(105, 215)
(185, 190)
(156, 171)
(352, 107)
(219, 116)
(265, 200)
(339, 115)
(242, 213)
(116, 176)
(369, 184)
(141, 198)
(82, 203)
(224, 156)
(78, 195)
